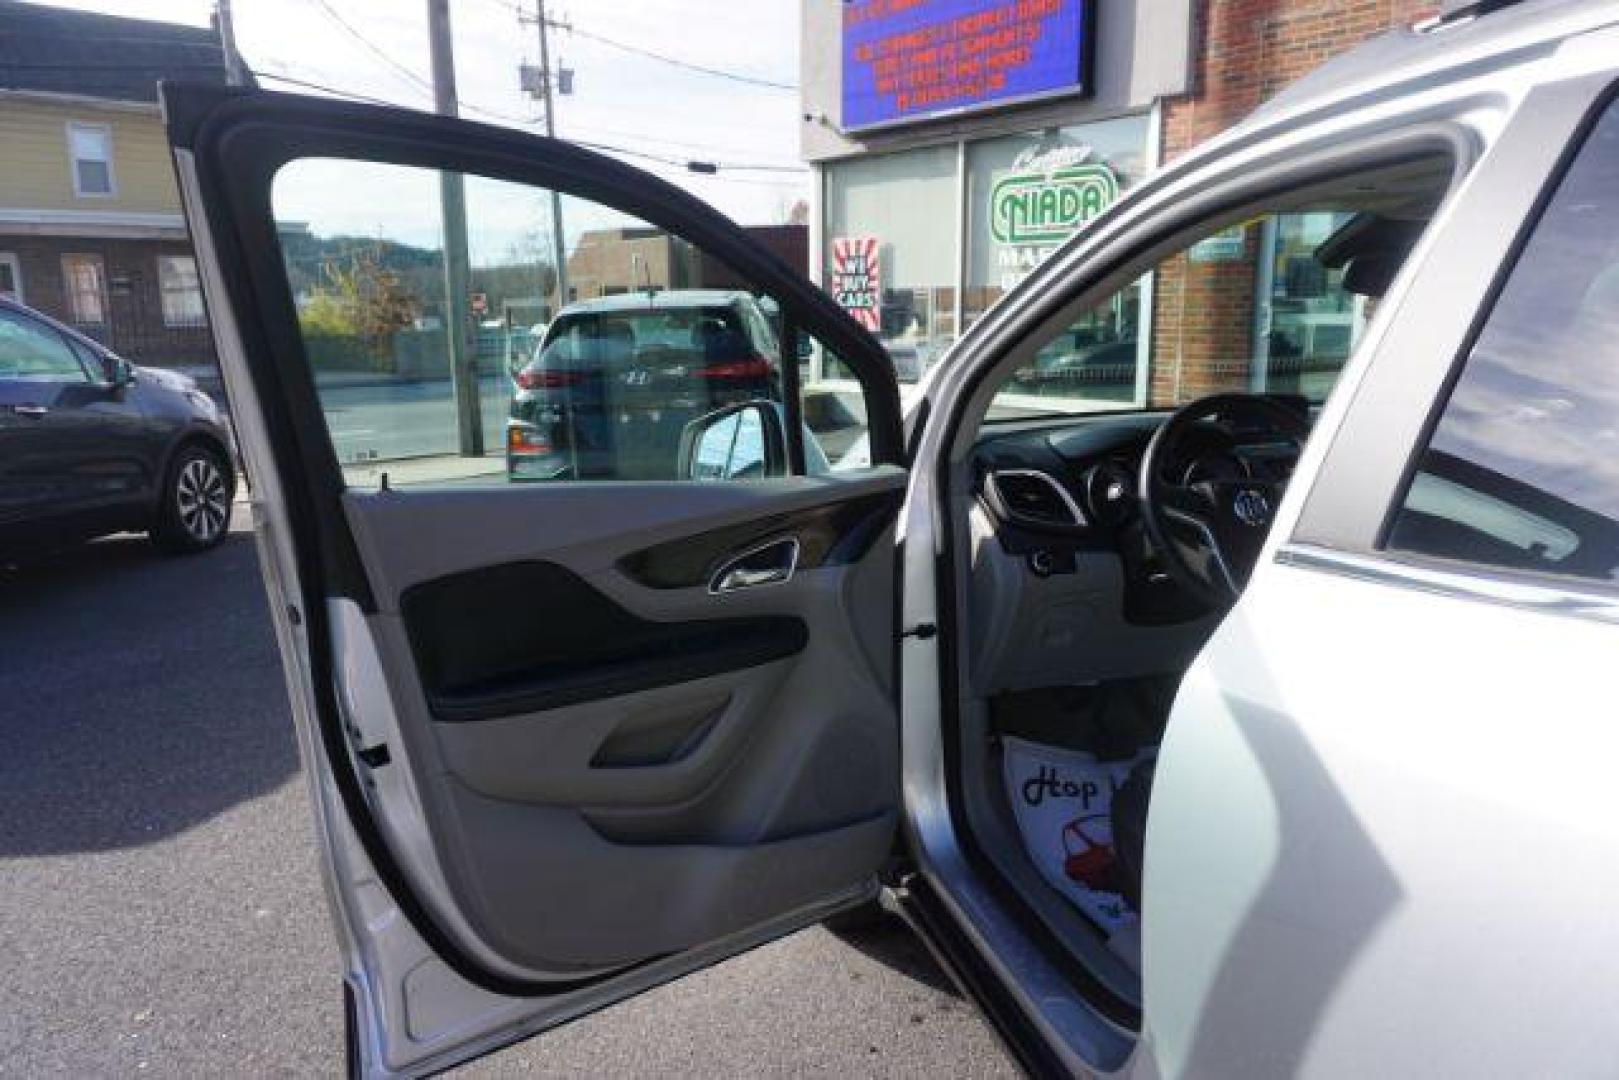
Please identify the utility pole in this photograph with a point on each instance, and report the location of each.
(227, 44)
(457, 277)
(548, 89)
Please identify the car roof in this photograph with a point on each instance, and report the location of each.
(1465, 41)
(657, 300)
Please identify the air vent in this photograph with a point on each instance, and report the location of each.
(1031, 497)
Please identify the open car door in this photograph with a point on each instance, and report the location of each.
(572, 736)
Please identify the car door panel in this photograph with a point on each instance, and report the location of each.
(553, 765)
(635, 849)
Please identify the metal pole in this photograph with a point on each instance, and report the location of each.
(457, 277)
(548, 80)
(227, 44)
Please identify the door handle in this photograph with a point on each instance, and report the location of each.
(771, 563)
(30, 410)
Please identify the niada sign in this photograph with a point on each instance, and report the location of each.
(1038, 207)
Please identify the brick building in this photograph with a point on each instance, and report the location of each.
(965, 140)
(91, 229)
(605, 262)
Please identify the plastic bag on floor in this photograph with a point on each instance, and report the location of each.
(1063, 802)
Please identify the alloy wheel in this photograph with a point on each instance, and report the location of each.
(202, 500)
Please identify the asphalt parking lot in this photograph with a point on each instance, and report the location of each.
(160, 911)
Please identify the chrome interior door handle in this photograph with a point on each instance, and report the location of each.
(771, 563)
(30, 410)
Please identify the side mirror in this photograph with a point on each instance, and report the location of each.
(739, 442)
(120, 372)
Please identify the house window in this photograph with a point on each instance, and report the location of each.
(90, 148)
(10, 276)
(85, 278)
(182, 293)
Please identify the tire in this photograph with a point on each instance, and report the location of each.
(193, 513)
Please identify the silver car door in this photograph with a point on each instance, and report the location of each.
(567, 739)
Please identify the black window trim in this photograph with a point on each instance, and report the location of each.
(250, 135)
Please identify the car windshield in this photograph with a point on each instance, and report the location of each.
(675, 335)
(1272, 305)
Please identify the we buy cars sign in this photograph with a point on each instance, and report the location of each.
(857, 280)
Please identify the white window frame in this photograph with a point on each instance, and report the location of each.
(69, 292)
(105, 130)
(9, 258)
(163, 292)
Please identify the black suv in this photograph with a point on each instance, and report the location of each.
(616, 379)
(91, 444)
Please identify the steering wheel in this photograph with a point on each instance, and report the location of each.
(1209, 532)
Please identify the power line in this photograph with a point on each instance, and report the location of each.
(639, 50)
(686, 64)
(683, 165)
(373, 49)
(307, 85)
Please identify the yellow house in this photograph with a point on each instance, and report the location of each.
(90, 225)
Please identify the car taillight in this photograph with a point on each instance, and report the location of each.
(525, 440)
(547, 380)
(754, 367)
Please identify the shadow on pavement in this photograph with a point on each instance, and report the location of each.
(889, 941)
(139, 695)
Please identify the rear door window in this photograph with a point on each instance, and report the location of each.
(1522, 469)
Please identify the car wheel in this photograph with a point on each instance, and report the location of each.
(194, 513)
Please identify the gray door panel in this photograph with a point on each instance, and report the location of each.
(652, 821)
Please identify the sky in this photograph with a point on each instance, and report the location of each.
(620, 99)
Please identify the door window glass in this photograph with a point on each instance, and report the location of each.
(1522, 471)
(443, 363)
(181, 291)
(85, 279)
(35, 353)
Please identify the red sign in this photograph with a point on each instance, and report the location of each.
(857, 280)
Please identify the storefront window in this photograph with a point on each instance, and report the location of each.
(890, 250)
(894, 243)
(1029, 194)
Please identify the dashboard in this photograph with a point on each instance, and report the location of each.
(1058, 492)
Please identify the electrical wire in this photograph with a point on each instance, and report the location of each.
(650, 54)
(687, 65)
(684, 166)
(373, 49)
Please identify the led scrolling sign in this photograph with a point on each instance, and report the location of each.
(907, 60)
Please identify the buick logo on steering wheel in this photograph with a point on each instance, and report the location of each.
(1251, 507)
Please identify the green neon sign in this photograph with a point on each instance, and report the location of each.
(1047, 207)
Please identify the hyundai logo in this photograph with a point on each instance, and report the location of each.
(1251, 507)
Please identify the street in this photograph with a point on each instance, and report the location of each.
(387, 418)
(160, 909)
